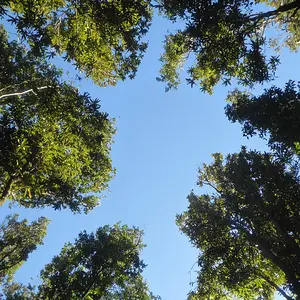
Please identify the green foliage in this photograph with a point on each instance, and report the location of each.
(225, 40)
(104, 265)
(247, 229)
(17, 291)
(54, 142)
(274, 115)
(17, 240)
(102, 38)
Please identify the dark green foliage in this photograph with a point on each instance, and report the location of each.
(225, 39)
(54, 142)
(17, 240)
(104, 265)
(274, 115)
(102, 38)
(247, 230)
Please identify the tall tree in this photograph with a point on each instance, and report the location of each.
(247, 230)
(104, 39)
(104, 265)
(273, 115)
(226, 39)
(17, 240)
(54, 142)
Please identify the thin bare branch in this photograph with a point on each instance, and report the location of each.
(24, 92)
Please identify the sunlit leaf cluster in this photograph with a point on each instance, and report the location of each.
(104, 39)
(222, 40)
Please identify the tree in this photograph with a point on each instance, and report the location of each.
(17, 291)
(247, 230)
(102, 38)
(274, 115)
(226, 39)
(54, 142)
(17, 240)
(104, 265)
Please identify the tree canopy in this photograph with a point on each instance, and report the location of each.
(100, 265)
(55, 142)
(104, 39)
(226, 39)
(17, 240)
(274, 115)
(247, 229)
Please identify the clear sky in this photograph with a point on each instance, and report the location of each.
(162, 139)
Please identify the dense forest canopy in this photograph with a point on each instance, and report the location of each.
(105, 39)
(55, 143)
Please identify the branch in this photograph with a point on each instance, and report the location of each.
(212, 186)
(5, 88)
(6, 255)
(24, 92)
(14, 264)
(273, 284)
(295, 11)
(281, 9)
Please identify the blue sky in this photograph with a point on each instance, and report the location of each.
(162, 139)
